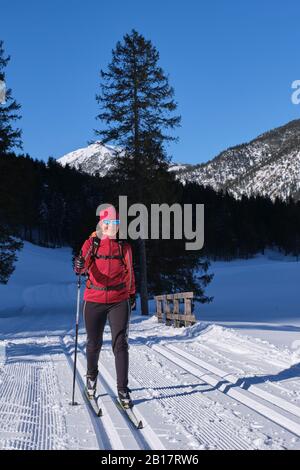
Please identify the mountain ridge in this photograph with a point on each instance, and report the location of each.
(268, 165)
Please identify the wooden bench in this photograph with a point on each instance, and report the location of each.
(168, 309)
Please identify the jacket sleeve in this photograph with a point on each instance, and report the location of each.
(130, 278)
(86, 252)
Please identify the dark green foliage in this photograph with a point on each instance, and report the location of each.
(10, 137)
(241, 228)
(55, 206)
(46, 203)
(137, 110)
(136, 97)
(8, 247)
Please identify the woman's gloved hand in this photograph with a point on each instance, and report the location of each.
(132, 300)
(79, 264)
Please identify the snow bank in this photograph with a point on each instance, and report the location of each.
(261, 289)
(43, 280)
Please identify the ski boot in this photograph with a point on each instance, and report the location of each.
(125, 399)
(91, 384)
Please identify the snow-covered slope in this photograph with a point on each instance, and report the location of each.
(179, 166)
(202, 387)
(268, 165)
(94, 159)
(98, 159)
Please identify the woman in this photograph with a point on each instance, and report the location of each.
(109, 294)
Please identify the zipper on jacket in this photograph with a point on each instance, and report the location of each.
(109, 251)
(129, 268)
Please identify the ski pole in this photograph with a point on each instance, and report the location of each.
(76, 336)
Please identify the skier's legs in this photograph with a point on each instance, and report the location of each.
(119, 317)
(95, 315)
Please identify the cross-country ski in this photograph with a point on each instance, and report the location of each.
(94, 403)
(129, 412)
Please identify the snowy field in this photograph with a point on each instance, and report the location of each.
(232, 381)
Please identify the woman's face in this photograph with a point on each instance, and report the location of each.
(109, 229)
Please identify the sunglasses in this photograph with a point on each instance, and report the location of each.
(113, 222)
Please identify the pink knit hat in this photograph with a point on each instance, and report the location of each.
(109, 213)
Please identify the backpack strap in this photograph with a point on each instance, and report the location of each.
(94, 252)
(95, 245)
(121, 251)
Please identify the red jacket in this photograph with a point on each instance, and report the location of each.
(108, 272)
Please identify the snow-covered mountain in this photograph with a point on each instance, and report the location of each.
(176, 167)
(268, 165)
(98, 158)
(94, 159)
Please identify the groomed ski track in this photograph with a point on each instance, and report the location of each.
(121, 433)
(212, 376)
(185, 399)
(190, 409)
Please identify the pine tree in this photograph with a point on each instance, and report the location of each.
(8, 247)
(137, 108)
(10, 137)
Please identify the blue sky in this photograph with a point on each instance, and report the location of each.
(231, 63)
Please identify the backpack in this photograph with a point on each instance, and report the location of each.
(95, 245)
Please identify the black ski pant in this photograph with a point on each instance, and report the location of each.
(118, 314)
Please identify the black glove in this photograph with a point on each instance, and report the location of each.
(79, 264)
(132, 299)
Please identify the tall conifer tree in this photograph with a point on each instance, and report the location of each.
(137, 109)
(10, 137)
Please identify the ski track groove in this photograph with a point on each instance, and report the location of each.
(230, 363)
(255, 390)
(240, 395)
(257, 353)
(19, 424)
(137, 434)
(106, 419)
(258, 407)
(183, 411)
(146, 438)
(107, 422)
(27, 392)
(32, 420)
(101, 433)
(184, 407)
(7, 412)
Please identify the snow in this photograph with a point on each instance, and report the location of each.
(231, 381)
(94, 157)
(99, 158)
(258, 296)
(268, 165)
(178, 166)
(86, 152)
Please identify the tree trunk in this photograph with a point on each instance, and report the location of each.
(143, 277)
